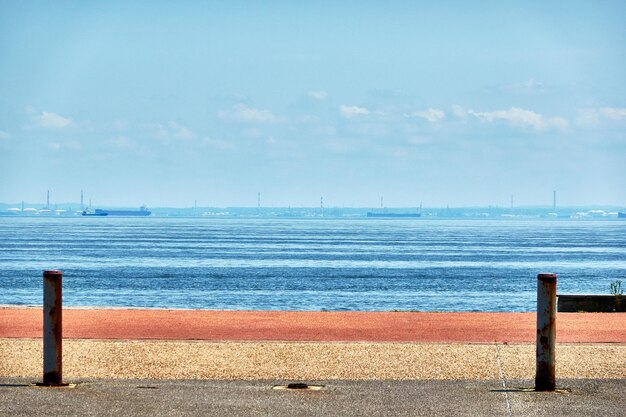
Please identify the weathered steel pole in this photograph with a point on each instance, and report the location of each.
(545, 376)
(53, 328)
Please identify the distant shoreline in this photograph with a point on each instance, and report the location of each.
(72, 210)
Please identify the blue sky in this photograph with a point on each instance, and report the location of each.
(445, 103)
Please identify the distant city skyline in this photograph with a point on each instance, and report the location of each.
(453, 104)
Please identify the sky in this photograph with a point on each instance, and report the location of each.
(439, 103)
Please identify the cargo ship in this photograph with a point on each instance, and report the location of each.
(143, 211)
(393, 215)
(90, 213)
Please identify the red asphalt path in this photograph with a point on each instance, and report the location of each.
(313, 326)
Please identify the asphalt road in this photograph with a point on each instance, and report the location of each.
(337, 398)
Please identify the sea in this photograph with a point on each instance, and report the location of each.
(315, 264)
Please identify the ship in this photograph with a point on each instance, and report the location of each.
(393, 215)
(90, 213)
(143, 211)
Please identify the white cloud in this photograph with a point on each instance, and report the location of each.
(244, 114)
(527, 87)
(613, 113)
(587, 117)
(121, 124)
(159, 131)
(459, 111)
(318, 95)
(521, 117)
(180, 132)
(53, 121)
(351, 111)
(432, 115)
(593, 116)
(67, 145)
(531, 83)
(168, 132)
(558, 122)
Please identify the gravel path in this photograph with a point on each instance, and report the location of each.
(307, 360)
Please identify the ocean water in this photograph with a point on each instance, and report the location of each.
(307, 264)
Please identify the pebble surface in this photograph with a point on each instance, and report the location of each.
(172, 359)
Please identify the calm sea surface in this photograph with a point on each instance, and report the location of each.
(307, 264)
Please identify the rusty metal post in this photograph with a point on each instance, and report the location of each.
(545, 376)
(52, 328)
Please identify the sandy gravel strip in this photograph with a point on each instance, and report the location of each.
(306, 360)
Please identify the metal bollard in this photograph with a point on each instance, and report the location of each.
(545, 377)
(53, 329)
